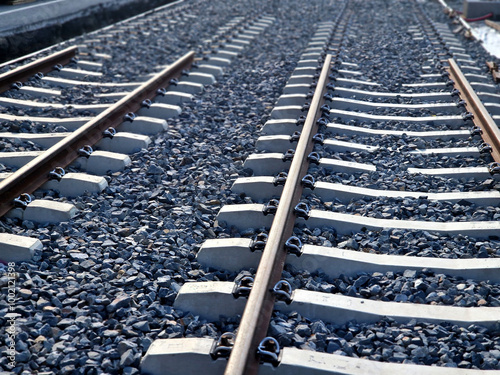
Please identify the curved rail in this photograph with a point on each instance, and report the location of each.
(34, 174)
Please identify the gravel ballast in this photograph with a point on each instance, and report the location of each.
(102, 289)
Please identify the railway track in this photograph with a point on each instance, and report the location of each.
(355, 231)
(289, 178)
(140, 112)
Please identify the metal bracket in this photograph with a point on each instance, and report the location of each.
(223, 346)
(269, 351)
(243, 287)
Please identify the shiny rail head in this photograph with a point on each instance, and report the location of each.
(476, 111)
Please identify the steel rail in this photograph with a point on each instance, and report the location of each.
(259, 307)
(74, 40)
(334, 48)
(491, 133)
(35, 173)
(44, 65)
(453, 14)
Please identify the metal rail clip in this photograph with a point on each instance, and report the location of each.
(130, 117)
(322, 121)
(259, 242)
(485, 148)
(319, 138)
(476, 130)
(467, 116)
(223, 346)
(243, 287)
(109, 132)
(308, 181)
(300, 121)
(269, 351)
(271, 207)
(22, 201)
(280, 179)
(283, 291)
(288, 155)
(57, 173)
(294, 246)
(461, 103)
(314, 158)
(295, 137)
(85, 151)
(302, 210)
(494, 168)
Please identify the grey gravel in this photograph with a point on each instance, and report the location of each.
(425, 287)
(111, 278)
(412, 342)
(102, 290)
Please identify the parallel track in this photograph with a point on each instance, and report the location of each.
(37, 172)
(136, 109)
(248, 347)
(333, 199)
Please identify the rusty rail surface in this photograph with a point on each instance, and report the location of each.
(45, 65)
(34, 174)
(490, 131)
(493, 67)
(259, 307)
